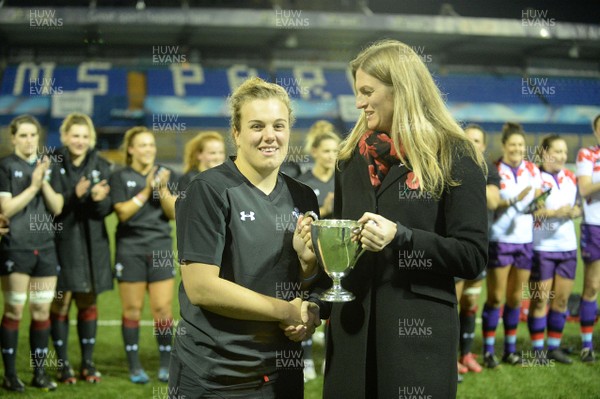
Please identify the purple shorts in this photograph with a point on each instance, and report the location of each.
(547, 264)
(503, 254)
(590, 242)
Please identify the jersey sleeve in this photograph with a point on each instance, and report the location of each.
(585, 163)
(117, 188)
(493, 178)
(201, 224)
(5, 179)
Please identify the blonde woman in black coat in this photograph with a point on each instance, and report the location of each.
(82, 244)
(410, 174)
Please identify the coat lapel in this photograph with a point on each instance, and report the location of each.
(394, 174)
(358, 172)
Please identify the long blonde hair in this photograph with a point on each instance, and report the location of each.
(196, 145)
(421, 125)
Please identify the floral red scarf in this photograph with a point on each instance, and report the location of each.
(378, 150)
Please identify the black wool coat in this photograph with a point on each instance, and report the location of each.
(82, 244)
(399, 337)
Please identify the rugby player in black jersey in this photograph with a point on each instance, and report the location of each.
(30, 196)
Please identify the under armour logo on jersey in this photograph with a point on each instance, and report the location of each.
(18, 173)
(244, 215)
(131, 183)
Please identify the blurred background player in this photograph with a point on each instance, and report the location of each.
(144, 204)
(468, 291)
(317, 128)
(588, 181)
(324, 150)
(510, 249)
(82, 245)
(30, 197)
(204, 151)
(554, 251)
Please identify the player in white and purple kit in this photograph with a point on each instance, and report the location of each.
(588, 180)
(510, 250)
(554, 251)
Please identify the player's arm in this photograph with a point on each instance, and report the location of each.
(10, 205)
(505, 203)
(586, 186)
(54, 201)
(167, 199)
(126, 209)
(206, 289)
(492, 195)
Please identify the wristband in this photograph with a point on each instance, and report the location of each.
(137, 201)
(304, 280)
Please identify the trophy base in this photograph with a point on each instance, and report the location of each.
(332, 295)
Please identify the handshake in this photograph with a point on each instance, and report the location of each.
(303, 319)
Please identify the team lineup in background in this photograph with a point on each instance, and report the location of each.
(438, 221)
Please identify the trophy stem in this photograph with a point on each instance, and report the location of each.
(337, 293)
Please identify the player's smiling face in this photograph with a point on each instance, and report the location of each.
(143, 149)
(263, 139)
(514, 150)
(26, 140)
(77, 140)
(212, 155)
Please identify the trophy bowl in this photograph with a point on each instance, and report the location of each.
(336, 243)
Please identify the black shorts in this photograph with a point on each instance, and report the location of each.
(145, 268)
(36, 263)
(185, 383)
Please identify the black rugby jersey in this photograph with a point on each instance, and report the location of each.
(224, 220)
(149, 228)
(34, 226)
(320, 187)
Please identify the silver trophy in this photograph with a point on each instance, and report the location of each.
(337, 245)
